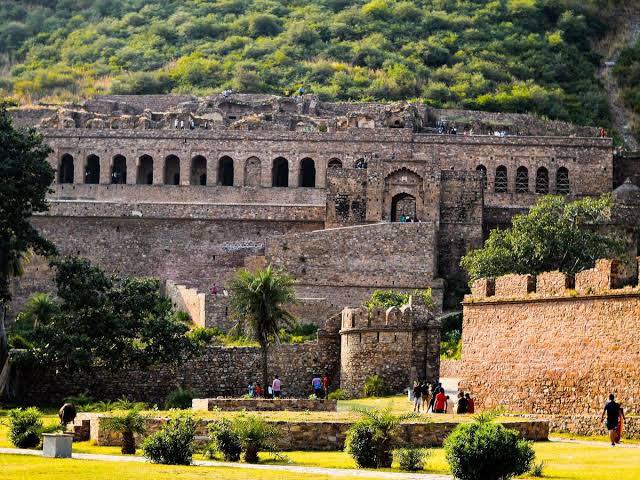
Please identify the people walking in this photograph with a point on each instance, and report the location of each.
(316, 383)
(471, 406)
(417, 396)
(615, 415)
(440, 402)
(462, 407)
(325, 385)
(426, 396)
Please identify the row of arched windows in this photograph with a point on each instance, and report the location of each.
(501, 180)
(198, 174)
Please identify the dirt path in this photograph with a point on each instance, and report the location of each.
(628, 34)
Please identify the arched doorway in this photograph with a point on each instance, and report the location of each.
(65, 172)
(119, 170)
(252, 172)
(145, 170)
(280, 173)
(225, 171)
(198, 170)
(307, 173)
(172, 170)
(403, 206)
(92, 170)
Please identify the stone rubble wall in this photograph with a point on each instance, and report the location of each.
(188, 300)
(553, 350)
(323, 435)
(264, 404)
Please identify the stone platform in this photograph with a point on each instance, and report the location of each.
(264, 404)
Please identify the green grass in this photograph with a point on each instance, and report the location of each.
(16, 467)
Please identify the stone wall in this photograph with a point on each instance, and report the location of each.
(218, 371)
(324, 435)
(553, 350)
(188, 300)
(264, 404)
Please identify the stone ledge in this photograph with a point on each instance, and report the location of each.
(264, 404)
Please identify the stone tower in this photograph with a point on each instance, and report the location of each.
(400, 345)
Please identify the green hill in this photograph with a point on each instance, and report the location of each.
(500, 55)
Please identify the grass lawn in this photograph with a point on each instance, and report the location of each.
(17, 467)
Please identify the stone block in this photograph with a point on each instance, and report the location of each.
(514, 285)
(603, 277)
(483, 287)
(57, 445)
(553, 283)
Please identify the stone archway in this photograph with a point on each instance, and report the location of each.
(403, 205)
(403, 193)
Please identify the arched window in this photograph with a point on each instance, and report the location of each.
(144, 175)
(65, 171)
(280, 172)
(542, 181)
(225, 171)
(253, 172)
(119, 170)
(361, 163)
(198, 170)
(92, 170)
(522, 180)
(501, 184)
(307, 173)
(334, 163)
(562, 182)
(403, 208)
(172, 170)
(483, 172)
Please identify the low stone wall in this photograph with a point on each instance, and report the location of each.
(323, 436)
(589, 425)
(264, 404)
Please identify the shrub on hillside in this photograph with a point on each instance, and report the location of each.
(25, 427)
(483, 450)
(411, 459)
(374, 387)
(179, 398)
(173, 444)
(338, 394)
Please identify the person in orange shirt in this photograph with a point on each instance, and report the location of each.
(440, 403)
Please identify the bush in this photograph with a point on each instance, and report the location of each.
(225, 440)
(173, 444)
(360, 445)
(18, 342)
(79, 400)
(483, 450)
(254, 434)
(411, 459)
(374, 387)
(338, 394)
(537, 470)
(179, 398)
(370, 440)
(127, 425)
(25, 427)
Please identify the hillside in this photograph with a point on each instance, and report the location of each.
(530, 56)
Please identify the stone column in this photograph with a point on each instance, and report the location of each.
(212, 168)
(185, 169)
(321, 173)
(267, 166)
(294, 171)
(132, 168)
(238, 172)
(105, 169)
(158, 169)
(79, 162)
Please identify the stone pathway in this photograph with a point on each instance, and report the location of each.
(341, 472)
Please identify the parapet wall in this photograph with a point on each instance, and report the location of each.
(544, 345)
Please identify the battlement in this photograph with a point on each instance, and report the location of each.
(608, 277)
(414, 314)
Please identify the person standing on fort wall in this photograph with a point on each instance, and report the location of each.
(615, 417)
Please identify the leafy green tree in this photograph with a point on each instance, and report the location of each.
(127, 425)
(39, 310)
(555, 235)
(25, 177)
(259, 300)
(106, 322)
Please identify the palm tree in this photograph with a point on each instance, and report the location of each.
(127, 425)
(259, 301)
(40, 309)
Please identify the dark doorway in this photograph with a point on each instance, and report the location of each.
(307, 173)
(92, 170)
(403, 205)
(65, 172)
(119, 170)
(172, 170)
(280, 173)
(199, 170)
(225, 171)
(145, 171)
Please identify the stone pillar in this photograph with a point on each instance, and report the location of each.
(132, 168)
(185, 169)
(267, 166)
(79, 162)
(158, 170)
(321, 173)
(105, 169)
(238, 172)
(294, 172)
(212, 169)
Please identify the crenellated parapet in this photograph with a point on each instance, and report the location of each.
(607, 277)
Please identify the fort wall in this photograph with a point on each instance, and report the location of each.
(551, 349)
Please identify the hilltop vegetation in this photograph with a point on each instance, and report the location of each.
(627, 73)
(497, 55)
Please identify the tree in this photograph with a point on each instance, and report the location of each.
(259, 301)
(127, 425)
(39, 310)
(555, 235)
(25, 177)
(108, 322)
